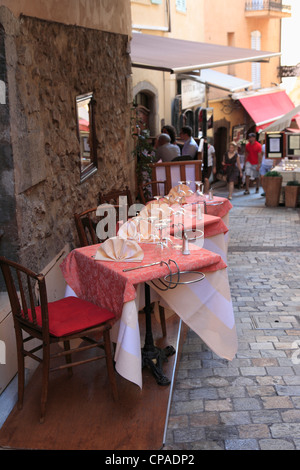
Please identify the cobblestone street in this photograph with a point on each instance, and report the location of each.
(252, 402)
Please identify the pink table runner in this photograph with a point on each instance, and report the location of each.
(105, 283)
(213, 225)
(212, 208)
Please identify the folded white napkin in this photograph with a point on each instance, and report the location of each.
(119, 249)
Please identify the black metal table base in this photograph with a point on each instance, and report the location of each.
(152, 356)
(154, 359)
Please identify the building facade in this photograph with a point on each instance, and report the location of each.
(55, 58)
(173, 99)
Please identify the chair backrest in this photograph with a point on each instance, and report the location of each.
(121, 206)
(176, 171)
(148, 190)
(86, 227)
(112, 197)
(26, 291)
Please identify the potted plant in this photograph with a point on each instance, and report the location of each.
(291, 193)
(272, 188)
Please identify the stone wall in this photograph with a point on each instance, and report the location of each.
(48, 65)
(8, 224)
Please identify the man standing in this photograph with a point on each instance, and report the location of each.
(253, 155)
(190, 146)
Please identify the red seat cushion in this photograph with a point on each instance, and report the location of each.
(71, 315)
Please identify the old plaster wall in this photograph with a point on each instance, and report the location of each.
(48, 65)
(8, 232)
(105, 15)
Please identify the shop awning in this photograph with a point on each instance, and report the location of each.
(219, 80)
(283, 123)
(180, 56)
(267, 108)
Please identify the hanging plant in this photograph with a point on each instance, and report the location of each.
(143, 149)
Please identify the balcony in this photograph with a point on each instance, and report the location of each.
(267, 9)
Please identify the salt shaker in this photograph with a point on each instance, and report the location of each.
(199, 212)
(185, 245)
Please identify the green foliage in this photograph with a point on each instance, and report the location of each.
(143, 149)
(273, 173)
(293, 183)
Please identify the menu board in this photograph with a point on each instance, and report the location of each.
(274, 145)
(293, 144)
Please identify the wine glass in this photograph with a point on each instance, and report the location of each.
(190, 192)
(158, 198)
(200, 186)
(162, 240)
(180, 190)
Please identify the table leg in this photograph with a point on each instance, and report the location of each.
(153, 356)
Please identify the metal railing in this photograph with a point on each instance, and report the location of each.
(255, 5)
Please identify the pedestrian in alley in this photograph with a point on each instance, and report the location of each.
(266, 165)
(253, 155)
(211, 162)
(232, 167)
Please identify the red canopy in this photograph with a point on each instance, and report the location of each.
(267, 108)
(84, 125)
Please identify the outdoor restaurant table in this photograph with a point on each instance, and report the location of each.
(215, 233)
(215, 229)
(218, 206)
(204, 306)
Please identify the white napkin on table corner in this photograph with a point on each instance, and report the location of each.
(119, 249)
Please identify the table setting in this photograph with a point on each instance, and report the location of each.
(154, 258)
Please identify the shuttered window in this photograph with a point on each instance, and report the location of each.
(256, 66)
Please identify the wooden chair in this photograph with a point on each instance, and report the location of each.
(86, 227)
(112, 197)
(173, 172)
(158, 188)
(53, 322)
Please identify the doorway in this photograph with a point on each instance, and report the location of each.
(220, 144)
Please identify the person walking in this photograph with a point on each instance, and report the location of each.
(253, 154)
(231, 167)
(211, 162)
(266, 165)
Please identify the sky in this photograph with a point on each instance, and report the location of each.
(291, 35)
(290, 39)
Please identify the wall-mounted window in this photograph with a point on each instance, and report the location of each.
(85, 108)
(181, 6)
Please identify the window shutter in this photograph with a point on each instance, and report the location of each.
(255, 66)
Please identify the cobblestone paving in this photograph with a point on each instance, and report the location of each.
(252, 402)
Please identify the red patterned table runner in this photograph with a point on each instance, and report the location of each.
(105, 283)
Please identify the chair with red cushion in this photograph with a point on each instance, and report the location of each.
(53, 322)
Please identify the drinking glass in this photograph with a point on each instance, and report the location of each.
(200, 186)
(190, 191)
